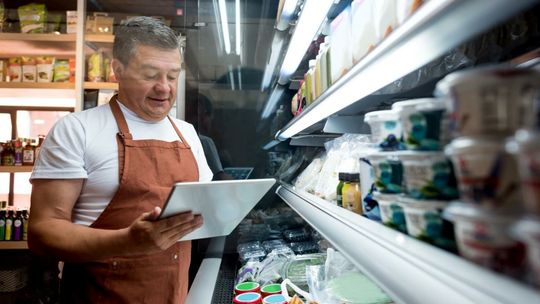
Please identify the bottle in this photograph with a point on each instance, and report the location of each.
(8, 157)
(41, 138)
(351, 193)
(339, 189)
(2, 225)
(9, 225)
(18, 161)
(28, 153)
(17, 226)
(25, 224)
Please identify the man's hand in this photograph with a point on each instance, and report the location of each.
(147, 234)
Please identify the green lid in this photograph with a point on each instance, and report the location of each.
(271, 288)
(247, 286)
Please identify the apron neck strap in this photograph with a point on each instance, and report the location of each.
(120, 119)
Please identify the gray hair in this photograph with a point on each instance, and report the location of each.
(146, 31)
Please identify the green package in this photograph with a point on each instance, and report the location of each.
(32, 18)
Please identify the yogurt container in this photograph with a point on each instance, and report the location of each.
(248, 298)
(370, 206)
(528, 230)
(385, 129)
(270, 289)
(526, 148)
(424, 122)
(388, 172)
(247, 287)
(484, 237)
(492, 100)
(428, 175)
(485, 173)
(424, 221)
(392, 214)
(275, 299)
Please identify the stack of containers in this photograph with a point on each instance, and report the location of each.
(487, 107)
(415, 180)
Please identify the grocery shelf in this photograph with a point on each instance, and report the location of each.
(51, 37)
(4, 245)
(37, 85)
(437, 27)
(409, 270)
(101, 85)
(99, 38)
(315, 140)
(15, 169)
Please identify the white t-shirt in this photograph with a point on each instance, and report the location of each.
(83, 145)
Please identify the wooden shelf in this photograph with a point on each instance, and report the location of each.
(37, 85)
(15, 169)
(38, 37)
(101, 85)
(99, 38)
(13, 245)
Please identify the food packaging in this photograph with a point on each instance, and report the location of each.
(61, 71)
(384, 18)
(363, 38)
(385, 129)
(14, 70)
(490, 101)
(246, 287)
(274, 299)
(485, 172)
(424, 221)
(388, 172)
(270, 289)
(99, 23)
(367, 186)
(72, 67)
(341, 50)
(3, 69)
(405, 8)
(71, 22)
(295, 268)
(528, 231)
(29, 69)
(526, 148)
(392, 214)
(484, 237)
(45, 68)
(32, 18)
(425, 123)
(95, 67)
(248, 298)
(428, 175)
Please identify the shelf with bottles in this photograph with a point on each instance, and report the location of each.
(428, 34)
(13, 228)
(19, 155)
(10, 245)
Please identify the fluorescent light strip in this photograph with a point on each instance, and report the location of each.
(312, 16)
(277, 44)
(225, 25)
(286, 14)
(218, 27)
(272, 102)
(238, 32)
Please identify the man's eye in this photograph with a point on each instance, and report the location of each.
(150, 76)
(172, 77)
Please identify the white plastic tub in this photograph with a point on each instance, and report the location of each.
(385, 129)
(388, 172)
(392, 214)
(528, 231)
(485, 238)
(485, 172)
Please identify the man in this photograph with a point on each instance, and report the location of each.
(103, 175)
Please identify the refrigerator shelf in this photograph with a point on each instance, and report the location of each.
(409, 270)
(437, 27)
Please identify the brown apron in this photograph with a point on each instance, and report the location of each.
(147, 170)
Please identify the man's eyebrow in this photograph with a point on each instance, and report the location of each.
(151, 67)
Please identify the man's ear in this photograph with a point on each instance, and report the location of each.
(117, 67)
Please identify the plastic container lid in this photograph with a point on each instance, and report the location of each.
(524, 140)
(342, 176)
(412, 103)
(527, 228)
(271, 288)
(354, 177)
(383, 115)
(459, 211)
(422, 204)
(275, 299)
(247, 298)
(246, 287)
(420, 155)
(492, 74)
(386, 196)
(463, 145)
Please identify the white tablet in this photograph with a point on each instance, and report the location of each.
(223, 204)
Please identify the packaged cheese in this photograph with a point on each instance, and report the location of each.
(14, 69)
(32, 18)
(45, 67)
(29, 70)
(362, 28)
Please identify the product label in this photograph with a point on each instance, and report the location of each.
(430, 179)
(28, 156)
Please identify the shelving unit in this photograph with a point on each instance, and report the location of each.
(38, 37)
(437, 27)
(4, 245)
(15, 169)
(37, 85)
(101, 85)
(409, 270)
(99, 38)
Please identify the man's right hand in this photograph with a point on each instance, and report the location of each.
(147, 234)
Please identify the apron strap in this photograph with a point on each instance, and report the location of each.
(184, 142)
(120, 119)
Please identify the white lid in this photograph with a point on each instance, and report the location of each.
(386, 196)
(384, 115)
(462, 145)
(485, 75)
(527, 228)
(524, 140)
(378, 155)
(411, 103)
(458, 211)
(420, 155)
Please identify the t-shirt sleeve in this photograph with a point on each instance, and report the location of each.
(62, 153)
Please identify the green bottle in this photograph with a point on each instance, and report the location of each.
(9, 225)
(339, 190)
(2, 225)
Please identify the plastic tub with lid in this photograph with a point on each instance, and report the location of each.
(428, 175)
(274, 299)
(526, 148)
(424, 122)
(370, 206)
(490, 100)
(486, 173)
(385, 129)
(392, 214)
(248, 298)
(247, 287)
(528, 230)
(388, 172)
(484, 237)
(270, 289)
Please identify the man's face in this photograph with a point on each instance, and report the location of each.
(147, 84)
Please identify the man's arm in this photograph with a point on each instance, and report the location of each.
(51, 232)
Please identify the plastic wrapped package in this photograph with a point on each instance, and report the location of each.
(265, 271)
(304, 247)
(363, 38)
(384, 18)
(273, 244)
(405, 8)
(32, 17)
(296, 235)
(252, 251)
(295, 268)
(341, 50)
(296, 163)
(307, 179)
